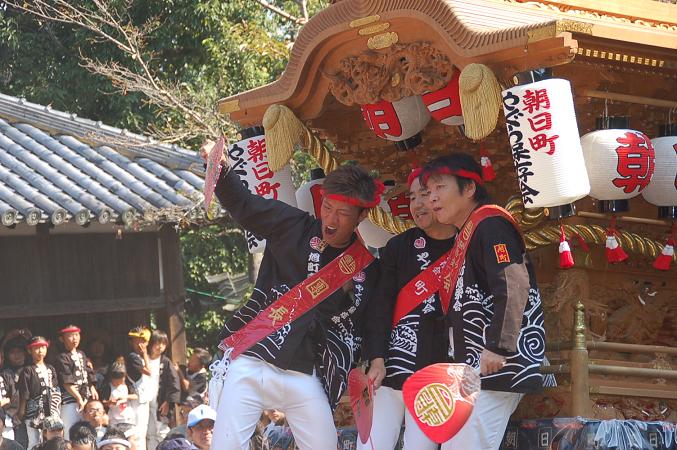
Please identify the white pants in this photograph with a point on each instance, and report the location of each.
(485, 427)
(389, 413)
(69, 416)
(142, 411)
(252, 385)
(157, 429)
(34, 436)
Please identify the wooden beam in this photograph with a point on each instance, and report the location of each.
(629, 98)
(171, 283)
(630, 348)
(654, 392)
(18, 310)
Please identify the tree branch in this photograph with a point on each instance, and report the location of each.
(282, 13)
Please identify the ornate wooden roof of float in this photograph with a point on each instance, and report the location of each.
(508, 35)
(609, 49)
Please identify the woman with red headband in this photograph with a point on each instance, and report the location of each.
(406, 330)
(299, 363)
(39, 394)
(493, 302)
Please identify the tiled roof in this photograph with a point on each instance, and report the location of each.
(50, 170)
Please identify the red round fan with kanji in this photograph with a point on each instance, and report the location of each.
(361, 393)
(441, 397)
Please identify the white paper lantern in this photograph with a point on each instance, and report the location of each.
(662, 190)
(544, 138)
(398, 120)
(620, 163)
(248, 158)
(373, 235)
(444, 104)
(309, 195)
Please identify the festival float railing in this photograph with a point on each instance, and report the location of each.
(580, 366)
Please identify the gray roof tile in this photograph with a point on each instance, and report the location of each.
(50, 171)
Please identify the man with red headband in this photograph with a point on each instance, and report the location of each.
(298, 334)
(406, 329)
(490, 293)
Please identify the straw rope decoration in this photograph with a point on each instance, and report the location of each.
(480, 100)
(298, 137)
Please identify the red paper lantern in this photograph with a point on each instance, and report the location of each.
(396, 121)
(445, 104)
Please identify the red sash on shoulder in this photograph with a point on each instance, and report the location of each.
(456, 256)
(300, 299)
(419, 288)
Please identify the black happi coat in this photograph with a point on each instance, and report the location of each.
(420, 338)
(42, 399)
(326, 338)
(73, 369)
(169, 389)
(496, 305)
(7, 390)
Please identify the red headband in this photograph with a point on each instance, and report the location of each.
(477, 178)
(38, 344)
(356, 201)
(415, 173)
(69, 330)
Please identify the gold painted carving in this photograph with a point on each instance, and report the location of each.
(384, 40)
(400, 71)
(623, 57)
(229, 106)
(560, 26)
(373, 29)
(364, 21)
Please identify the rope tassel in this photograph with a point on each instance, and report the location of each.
(664, 260)
(614, 252)
(566, 259)
(488, 173)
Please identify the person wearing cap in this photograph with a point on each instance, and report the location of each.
(494, 306)
(139, 371)
(114, 439)
(6, 443)
(76, 377)
(398, 347)
(38, 386)
(52, 427)
(301, 368)
(200, 427)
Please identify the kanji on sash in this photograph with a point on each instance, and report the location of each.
(635, 162)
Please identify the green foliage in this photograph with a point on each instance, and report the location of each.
(209, 48)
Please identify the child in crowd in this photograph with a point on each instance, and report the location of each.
(137, 363)
(76, 377)
(52, 427)
(38, 390)
(188, 404)
(15, 357)
(194, 380)
(165, 382)
(116, 394)
(115, 439)
(83, 436)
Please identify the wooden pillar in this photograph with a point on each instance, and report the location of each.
(580, 385)
(171, 284)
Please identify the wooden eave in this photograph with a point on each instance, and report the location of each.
(508, 36)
